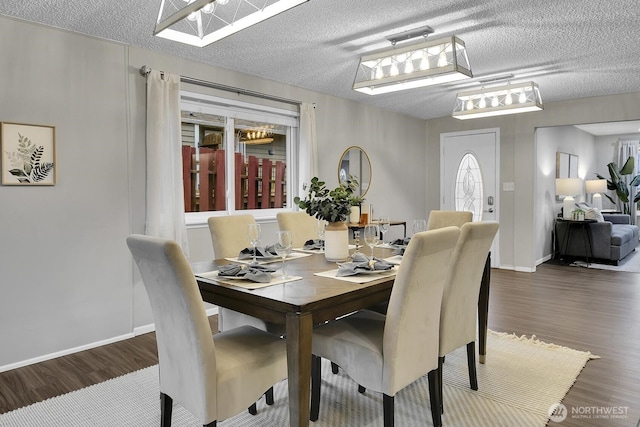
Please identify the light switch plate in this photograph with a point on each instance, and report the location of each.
(508, 186)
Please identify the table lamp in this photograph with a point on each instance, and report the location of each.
(596, 186)
(568, 187)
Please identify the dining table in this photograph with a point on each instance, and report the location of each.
(310, 297)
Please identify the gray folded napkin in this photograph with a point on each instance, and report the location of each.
(313, 244)
(253, 272)
(362, 264)
(261, 252)
(400, 245)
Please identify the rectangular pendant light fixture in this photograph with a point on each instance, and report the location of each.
(202, 22)
(497, 101)
(413, 65)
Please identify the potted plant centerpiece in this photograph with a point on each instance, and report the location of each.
(333, 206)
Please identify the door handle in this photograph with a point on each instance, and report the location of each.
(490, 210)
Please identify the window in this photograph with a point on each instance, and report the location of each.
(236, 157)
(469, 187)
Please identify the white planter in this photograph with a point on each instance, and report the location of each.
(336, 241)
(354, 216)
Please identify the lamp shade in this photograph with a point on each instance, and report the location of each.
(596, 185)
(568, 186)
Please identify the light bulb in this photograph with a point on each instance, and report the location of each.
(379, 73)
(193, 15)
(208, 8)
(507, 99)
(483, 103)
(470, 104)
(424, 62)
(394, 70)
(522, 98)
(442, 59)
(494, 101)
(408, 68)
(222, 2)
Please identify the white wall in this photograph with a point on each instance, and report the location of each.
(68, 281)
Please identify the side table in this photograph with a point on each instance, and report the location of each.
(571, 224)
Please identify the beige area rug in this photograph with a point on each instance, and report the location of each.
(521, 380)
(630, 263)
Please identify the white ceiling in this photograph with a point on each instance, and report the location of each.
(571, 48)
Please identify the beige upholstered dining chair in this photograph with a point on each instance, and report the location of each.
(386, 354)
(439, 219)
(459, 310)
(212, 376)
(302, 226)
(229, 237)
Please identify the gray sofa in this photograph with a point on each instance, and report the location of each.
(611, 240)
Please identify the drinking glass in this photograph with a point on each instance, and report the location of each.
(419, 225)
(384, 226)
(371, 232)
(320, 225)
(254, 233)
(283, 247)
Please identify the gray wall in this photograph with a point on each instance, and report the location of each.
(68, 281)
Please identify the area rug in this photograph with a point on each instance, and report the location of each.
(631, 263)
(522, 378)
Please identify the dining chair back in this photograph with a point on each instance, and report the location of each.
(460, 297)
(229, 237)
(439, 219)
(213, 377)
(303, 227)
(387, 353)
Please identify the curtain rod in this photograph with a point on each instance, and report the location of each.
(145, 70)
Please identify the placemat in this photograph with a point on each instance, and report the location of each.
(358, 278)
(245, 284)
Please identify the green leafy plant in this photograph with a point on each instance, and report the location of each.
(329, 205)
(621, 181)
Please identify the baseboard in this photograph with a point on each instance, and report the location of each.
(515, 268)
(65, 352)
(137, 331)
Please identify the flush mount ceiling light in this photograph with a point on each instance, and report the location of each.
(414, 65)
(202, 22)
(497, 101)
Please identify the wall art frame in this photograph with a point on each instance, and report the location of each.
(28, 154)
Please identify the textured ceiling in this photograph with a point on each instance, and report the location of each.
(571, 48)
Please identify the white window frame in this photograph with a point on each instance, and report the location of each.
(232, 109)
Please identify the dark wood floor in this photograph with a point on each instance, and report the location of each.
(585, 309)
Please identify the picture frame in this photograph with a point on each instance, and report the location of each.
(28, 154)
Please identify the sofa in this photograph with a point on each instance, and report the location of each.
(612, 238)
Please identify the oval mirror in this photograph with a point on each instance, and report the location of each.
(355, 161)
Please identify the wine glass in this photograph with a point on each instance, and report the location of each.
(283, 247)
(320, 226)
(419, 225)
(384, 226)
(371, 232)
(254, 233)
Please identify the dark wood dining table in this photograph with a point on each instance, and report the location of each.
(299, 305)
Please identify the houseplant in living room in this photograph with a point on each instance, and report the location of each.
(334, 207)
(621, 181)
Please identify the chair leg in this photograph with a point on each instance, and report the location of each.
(388, 410)
(435, 397)
(334, 368)
(166, 408)
(471, 362)
(440, 382)
(253, 409)
(361, 389)
(316, 362)
(211, 424)
(268, 396)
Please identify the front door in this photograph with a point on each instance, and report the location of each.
(469, 176)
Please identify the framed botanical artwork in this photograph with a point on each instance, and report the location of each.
(28, 154)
